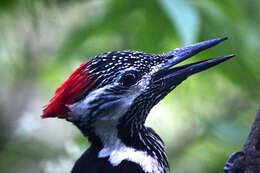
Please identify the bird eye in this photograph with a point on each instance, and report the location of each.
(129, 78)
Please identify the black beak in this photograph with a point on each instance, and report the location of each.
(172, 76)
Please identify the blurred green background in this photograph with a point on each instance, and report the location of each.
(202, 121)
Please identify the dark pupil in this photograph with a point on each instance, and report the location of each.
(129, 79)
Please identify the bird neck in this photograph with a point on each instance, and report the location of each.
(143, 138)
(132, 142)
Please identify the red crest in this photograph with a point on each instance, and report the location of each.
(78, 84)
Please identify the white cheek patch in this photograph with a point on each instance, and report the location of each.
(81, 107)
(118, 107)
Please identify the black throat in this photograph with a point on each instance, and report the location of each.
(145, 139)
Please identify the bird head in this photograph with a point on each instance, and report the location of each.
(122, 87)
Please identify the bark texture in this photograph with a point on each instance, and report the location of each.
(248, 161)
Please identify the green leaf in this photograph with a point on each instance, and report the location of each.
(185, 17)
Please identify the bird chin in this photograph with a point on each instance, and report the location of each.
(72, 117)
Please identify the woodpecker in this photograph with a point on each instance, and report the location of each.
(109, 98)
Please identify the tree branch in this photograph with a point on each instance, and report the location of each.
(248, 160)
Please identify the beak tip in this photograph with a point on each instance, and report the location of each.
(211, 43)
(215, 61)
(223, 38)
(230, 56)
